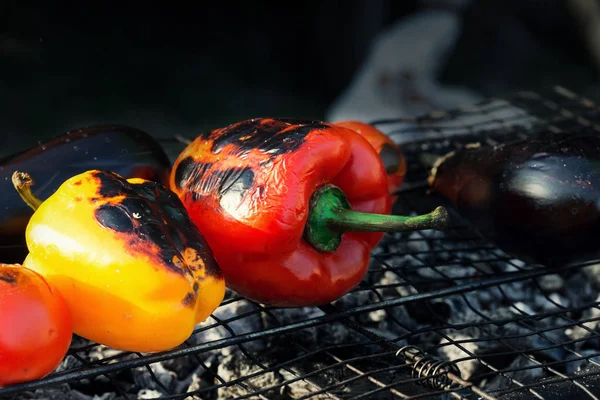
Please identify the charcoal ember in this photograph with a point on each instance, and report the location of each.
(399, 322)
(429, 312)
(149, 394)
(592, 273)
(299, 388)
(307, 336)
(470, 256)
(230, 314)
(586, 333)
(485, 344)
(405, 318)
(582, 361)
(403, 264)
(519, 291)
(551, 283)
(382, 321)
(558, 300)
(235, 366)
(194, 382)
(401, 243)
(521, 308)
(184, 366)
(521, 369)
(63, 392)
(547, 346)
(469, 366)
(387, 283)
(100, 352)
(551, 302)
(439, 271)
(580, 290)
(68, 363)
(487, 298)
(355, 299)
(320, 335)
(145, 379)
(78, 342)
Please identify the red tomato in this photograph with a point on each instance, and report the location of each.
(392, 157)
(35, 326)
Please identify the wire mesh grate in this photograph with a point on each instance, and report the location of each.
(439, 315)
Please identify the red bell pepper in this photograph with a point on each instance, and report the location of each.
(273, 198)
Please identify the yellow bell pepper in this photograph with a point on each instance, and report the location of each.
(135, 271)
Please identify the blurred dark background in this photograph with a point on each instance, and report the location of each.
(174, 67)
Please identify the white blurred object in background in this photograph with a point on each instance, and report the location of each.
(398, 77)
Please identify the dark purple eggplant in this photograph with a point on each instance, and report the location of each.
(537, 198)
(124, 150)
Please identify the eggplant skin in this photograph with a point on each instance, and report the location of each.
(537, 198)
(124, 150)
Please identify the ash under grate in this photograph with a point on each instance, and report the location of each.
(508, 330)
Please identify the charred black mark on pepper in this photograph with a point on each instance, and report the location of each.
(111, 185)
(189, 299)
(292, 139)
(158, 219)
(300, 121)
(391, 158)
(190, 173)
(184, 171)
(147, 190)
(138, 206)
(9, 277)
(273, 136)
(246, 129)
(114, 218)
(192, 238)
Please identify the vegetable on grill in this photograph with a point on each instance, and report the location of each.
(35, 326)
(537, 198)
(274, 198)
(134, 269)
(391, 156)
(126, 151)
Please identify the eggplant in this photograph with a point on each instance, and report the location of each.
(537, 198)
(124, 150)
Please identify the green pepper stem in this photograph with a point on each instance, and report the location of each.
(330, 216)
(22, 182)
(348, 221)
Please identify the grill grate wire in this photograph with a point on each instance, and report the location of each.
(414, 328)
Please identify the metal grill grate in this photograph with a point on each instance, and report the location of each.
(440, 314)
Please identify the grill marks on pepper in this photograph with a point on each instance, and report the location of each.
(272, 136)
(149, 213)
(190, 174)
(229, 185)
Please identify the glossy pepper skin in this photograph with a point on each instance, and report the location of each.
(537, 198)
(135, 271)
(391, 155)
(126, 151)
(248, 187)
